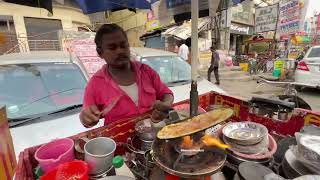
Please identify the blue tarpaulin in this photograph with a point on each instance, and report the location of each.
(92, 6)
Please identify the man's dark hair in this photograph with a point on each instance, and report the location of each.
(106, 29)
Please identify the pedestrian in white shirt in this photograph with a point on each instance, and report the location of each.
(183, 50)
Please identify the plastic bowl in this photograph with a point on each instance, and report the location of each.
(55, 153)
(75, 170)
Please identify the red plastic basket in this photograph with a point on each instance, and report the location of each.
(75, 170)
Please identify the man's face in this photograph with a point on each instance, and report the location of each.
(115, 49)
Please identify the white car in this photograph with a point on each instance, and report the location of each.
(43, 94)
(43, 91)
(308, 69)
(174, 71)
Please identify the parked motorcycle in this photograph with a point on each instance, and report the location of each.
(281, 105)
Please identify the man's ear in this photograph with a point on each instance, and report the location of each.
(99, 51)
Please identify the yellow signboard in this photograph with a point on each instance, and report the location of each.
(8, 160)
(279, 64)
(153, 24)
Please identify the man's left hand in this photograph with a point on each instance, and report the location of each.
(160, 111)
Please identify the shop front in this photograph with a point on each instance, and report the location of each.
(242, 26)
(239, 33)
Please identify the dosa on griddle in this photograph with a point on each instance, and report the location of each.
(195, 124)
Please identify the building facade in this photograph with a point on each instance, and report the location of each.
(132, 22)
(29, 29)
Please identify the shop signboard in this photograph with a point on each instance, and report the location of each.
(243, 13)
(291, 16)
(153, 24)
(8, 160)
(266, 18)
(83, 46)
(241, 29)
(85, 50)
(184, 6)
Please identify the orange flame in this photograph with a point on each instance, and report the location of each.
(208, 140)
(187, 142)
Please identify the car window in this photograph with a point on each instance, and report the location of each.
(169, 68)
(30, 89)
(315, 52)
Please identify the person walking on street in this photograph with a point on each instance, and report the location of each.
(214, 66)
(183, 50)
(253, 64)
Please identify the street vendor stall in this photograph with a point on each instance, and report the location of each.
(231, 137)
(260, 46)
(143, 166)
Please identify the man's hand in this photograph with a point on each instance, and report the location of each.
(160, 111)
(90, 116)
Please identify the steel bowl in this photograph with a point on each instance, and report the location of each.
(245, 133)
(309, 150)
(145, 131)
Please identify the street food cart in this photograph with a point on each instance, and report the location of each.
(260, 46)
(164, 160)
(123, 132)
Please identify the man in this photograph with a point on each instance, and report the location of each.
(183, 50)
(214, 66)
(130, 88)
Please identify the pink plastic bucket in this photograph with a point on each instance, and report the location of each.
(55, 153)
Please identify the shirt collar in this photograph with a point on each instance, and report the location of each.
(102, 72)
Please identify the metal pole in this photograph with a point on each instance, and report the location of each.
(226, 30)
(194, 51)
(275, 31)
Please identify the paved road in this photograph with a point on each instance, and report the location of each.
(250, 88)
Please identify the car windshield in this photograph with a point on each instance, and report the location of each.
(31, 89)
(315, 52)
(170, 68)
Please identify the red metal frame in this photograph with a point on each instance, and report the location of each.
(123, 129)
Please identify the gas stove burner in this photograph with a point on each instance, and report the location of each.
(192, 163)
(194, 149)
(187, 151)
(173, 161)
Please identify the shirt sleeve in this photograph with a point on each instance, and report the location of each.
(88, 99)
(160, 87)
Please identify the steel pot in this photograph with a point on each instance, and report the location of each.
(98, 153)
(145, 130)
